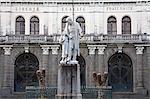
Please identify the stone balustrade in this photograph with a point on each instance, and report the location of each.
(88, 38)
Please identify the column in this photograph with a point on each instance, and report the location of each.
(101, 67)
(90, 62)
(45, 53)
(139, 69)
(8, 70)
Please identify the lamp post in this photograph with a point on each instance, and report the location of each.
(41, 77)
(100, 80)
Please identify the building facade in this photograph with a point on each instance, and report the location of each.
(116, 40)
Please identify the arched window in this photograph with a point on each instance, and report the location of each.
(81, 22)
(120, 75)
(26, 66)
(126, 25)
(34, 25)
(20, 25)
(63, 24)
(112, 25)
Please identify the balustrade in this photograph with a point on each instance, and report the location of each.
(101, 38)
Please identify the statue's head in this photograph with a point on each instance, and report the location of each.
(69, 20)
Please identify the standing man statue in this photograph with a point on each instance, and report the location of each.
(70, 42)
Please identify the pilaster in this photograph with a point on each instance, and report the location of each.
(45, 53)
(139, 70)
(7, 81)
(45, 62)
(101, 66)
(91, 62)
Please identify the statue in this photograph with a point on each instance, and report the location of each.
(70, 41)
(100, 80)
(41, 77)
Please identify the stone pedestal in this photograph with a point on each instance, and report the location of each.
(69, 82)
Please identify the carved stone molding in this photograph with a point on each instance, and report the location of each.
(139, 50)
(7, 50)
(26, 48)
(101, 49)
(54, 49)
(120, 48)
(91, 49)
(45, 49)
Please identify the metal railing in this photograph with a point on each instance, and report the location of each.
(101, 38)
(51, 92)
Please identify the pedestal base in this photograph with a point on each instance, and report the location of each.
(69, 96)
(6, 92)
(141, 90)
(69, 81)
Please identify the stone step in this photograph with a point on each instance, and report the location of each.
(127, 95)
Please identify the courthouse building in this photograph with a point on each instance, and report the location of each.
(116, 40)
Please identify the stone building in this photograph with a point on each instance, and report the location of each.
(116, 40)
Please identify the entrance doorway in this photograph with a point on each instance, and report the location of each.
(120, 73)
(26, 66)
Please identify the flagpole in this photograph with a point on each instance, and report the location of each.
(73, 9)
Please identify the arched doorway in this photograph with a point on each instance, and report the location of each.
(26, 66)
(120, 73)
(82, 63)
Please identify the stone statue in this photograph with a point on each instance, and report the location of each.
(70, 41)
